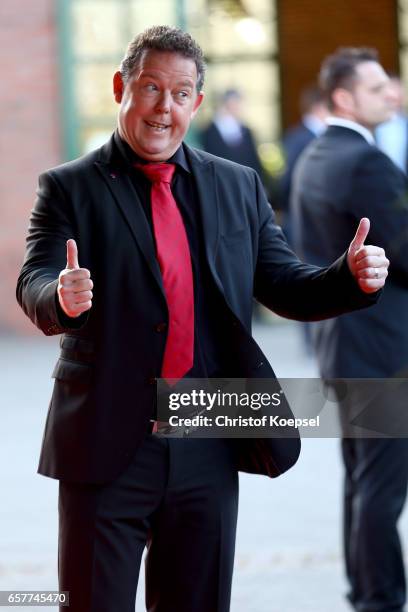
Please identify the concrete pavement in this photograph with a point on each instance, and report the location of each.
(288, 555)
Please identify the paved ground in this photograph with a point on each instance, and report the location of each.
(288, 549)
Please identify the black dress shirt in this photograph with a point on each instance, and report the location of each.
(209, 309)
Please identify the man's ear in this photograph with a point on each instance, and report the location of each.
(118, 86)
(197, 104)
(343, 99)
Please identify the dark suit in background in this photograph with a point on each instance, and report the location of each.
(340, 178)
(294, 141)
(228, 137)
(242, 150)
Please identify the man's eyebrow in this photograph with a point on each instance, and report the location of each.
(149, 75)
(186, 83)
(154, 75)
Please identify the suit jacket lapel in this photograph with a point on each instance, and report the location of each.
(204, 174)
(129, 204)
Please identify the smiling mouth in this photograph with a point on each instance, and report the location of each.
(157, 127)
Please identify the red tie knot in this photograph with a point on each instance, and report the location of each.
(158, 173)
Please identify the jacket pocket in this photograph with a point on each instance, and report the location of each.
(66, 369)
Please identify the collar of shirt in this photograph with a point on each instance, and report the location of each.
(314, 124)
(352, 125)
(178, 158)
(229, 127)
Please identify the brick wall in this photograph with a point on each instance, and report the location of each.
(311, 29)
(29, 134)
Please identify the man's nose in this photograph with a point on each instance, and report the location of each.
(391, 101)
(391, 95)
(163, 104)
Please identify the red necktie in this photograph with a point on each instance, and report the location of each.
(173, 254)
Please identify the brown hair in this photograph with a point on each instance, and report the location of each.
(339, 69)
(164, 39)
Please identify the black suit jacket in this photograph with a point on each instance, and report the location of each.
(339, 179)
(104, 388)
(243, 152)
(294, 142)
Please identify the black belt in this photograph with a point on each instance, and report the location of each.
(179, 431)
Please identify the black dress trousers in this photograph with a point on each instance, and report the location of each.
(376, 475)
(178, 497)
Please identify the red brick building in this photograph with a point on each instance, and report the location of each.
(30, 135)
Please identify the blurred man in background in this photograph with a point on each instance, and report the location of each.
(392, 136)
(341, 177)
(227, 136)
(314, 114)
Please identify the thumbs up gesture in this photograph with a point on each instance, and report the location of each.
(368, 264)
(75, 285)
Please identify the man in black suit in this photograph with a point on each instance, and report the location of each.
(341, 177)
(124, 485)
(228, 137)
(295, 140)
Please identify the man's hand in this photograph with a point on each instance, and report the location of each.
(75, 285)
(368, 264)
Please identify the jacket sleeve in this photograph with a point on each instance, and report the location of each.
(296, 290)
(51, 225)
(380, 192)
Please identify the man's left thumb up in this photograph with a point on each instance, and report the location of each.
(361, 235)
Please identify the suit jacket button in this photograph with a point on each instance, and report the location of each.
(160, 327)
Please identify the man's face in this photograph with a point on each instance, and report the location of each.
(398, 94)
(372, 98)
(157, 104)
(233, 106)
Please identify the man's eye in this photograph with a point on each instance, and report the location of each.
(182, 94)
(150, 87)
